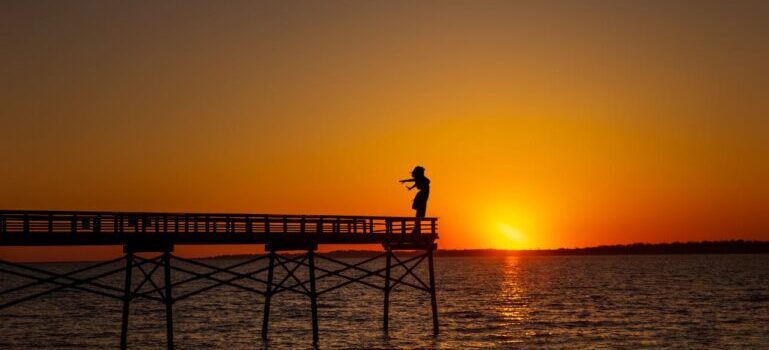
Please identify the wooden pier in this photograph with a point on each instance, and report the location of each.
(159, 233)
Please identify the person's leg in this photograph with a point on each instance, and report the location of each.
(418, 224)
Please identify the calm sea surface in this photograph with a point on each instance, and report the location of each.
(701, 301)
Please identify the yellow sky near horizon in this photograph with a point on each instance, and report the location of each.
(542, 124)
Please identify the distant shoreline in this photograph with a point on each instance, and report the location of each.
(675, 248)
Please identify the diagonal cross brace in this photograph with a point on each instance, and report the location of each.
(283, 261)
(75, 283)
(368, 273)
(410, 271)
(53, 276)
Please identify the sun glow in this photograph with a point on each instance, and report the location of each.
(512, 238)
(510, 224)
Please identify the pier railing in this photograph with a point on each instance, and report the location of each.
(82, 226)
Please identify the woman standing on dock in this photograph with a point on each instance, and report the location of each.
(422, 183)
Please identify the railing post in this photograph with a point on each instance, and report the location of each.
(338, 225)
(268, 294)
(126, 300)
(25, 225)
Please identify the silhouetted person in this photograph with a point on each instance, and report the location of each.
(422, 183)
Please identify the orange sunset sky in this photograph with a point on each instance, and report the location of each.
(542, 124)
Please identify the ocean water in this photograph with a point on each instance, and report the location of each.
(580, 302)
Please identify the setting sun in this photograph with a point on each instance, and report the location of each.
(512, 238)
(506, 222)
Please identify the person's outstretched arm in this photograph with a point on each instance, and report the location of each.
(407, 180)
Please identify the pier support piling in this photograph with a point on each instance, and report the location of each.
(388, 263)
(268, 294)
(433, 300)
(313, 296)
(168, 300)
(129, 261)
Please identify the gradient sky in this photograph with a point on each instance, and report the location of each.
(542, 124)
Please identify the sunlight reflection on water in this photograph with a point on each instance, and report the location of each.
(513, 305)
